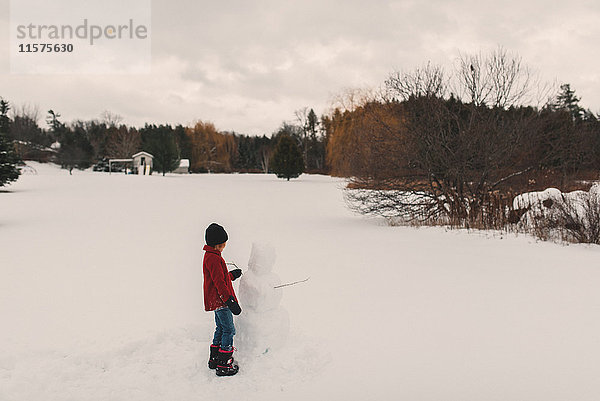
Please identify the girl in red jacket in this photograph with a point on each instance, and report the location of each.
(219, 297)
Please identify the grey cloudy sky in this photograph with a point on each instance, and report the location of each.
(248, 65)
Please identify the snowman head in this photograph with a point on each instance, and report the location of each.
(262, 258)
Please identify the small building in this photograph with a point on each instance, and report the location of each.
(184, 167)
(142, 163)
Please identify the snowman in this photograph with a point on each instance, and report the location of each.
(264, 324)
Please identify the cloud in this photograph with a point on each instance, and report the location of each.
(246, 66)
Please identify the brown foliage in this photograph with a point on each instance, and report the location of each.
(369, 141)
(211, 150)
(419, 154)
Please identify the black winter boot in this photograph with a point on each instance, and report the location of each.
(225, 364)
(214, 354)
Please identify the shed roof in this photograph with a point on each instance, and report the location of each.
(142, 154)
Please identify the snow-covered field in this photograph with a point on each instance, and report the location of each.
(101, 297)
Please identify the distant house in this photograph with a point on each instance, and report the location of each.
(184, 167)
(142, 163)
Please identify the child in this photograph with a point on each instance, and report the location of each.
(219, 297)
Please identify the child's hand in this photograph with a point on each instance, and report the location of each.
(236, 273)
(233, 306)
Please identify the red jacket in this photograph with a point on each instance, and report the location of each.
(217, 280)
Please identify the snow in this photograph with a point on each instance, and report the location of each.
(554, 203)
(535, 199)
(101, 297)
(264, 326)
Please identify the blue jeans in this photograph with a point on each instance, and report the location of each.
(225, 329)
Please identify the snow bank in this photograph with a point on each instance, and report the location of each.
(536, 199)
(552, 203)
(101, 297)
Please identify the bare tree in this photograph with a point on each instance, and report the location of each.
(110, 119)
(443, 158)
(351, 98)
(123, 142)
(419, 154)
(498, 79)
(302, 119)
(428, 81)
(25, 128)
(265, 157)
(471, 79)
(578, 220)
(31, 111)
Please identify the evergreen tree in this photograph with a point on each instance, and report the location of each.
(252, 153)
(246, 156)
(75, 151)
(287, 161)
(160, 142)
(8, 157)
(567, 101)
(97, 134)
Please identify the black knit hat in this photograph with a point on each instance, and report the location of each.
(215, 235)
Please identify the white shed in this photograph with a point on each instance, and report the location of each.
(184, 167)
(142, 163)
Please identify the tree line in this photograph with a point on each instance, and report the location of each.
(81, 144)
(455, 140)
(457, 147)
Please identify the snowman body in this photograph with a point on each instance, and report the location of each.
(263, 324)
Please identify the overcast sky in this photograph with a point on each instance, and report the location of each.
(248, 65)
